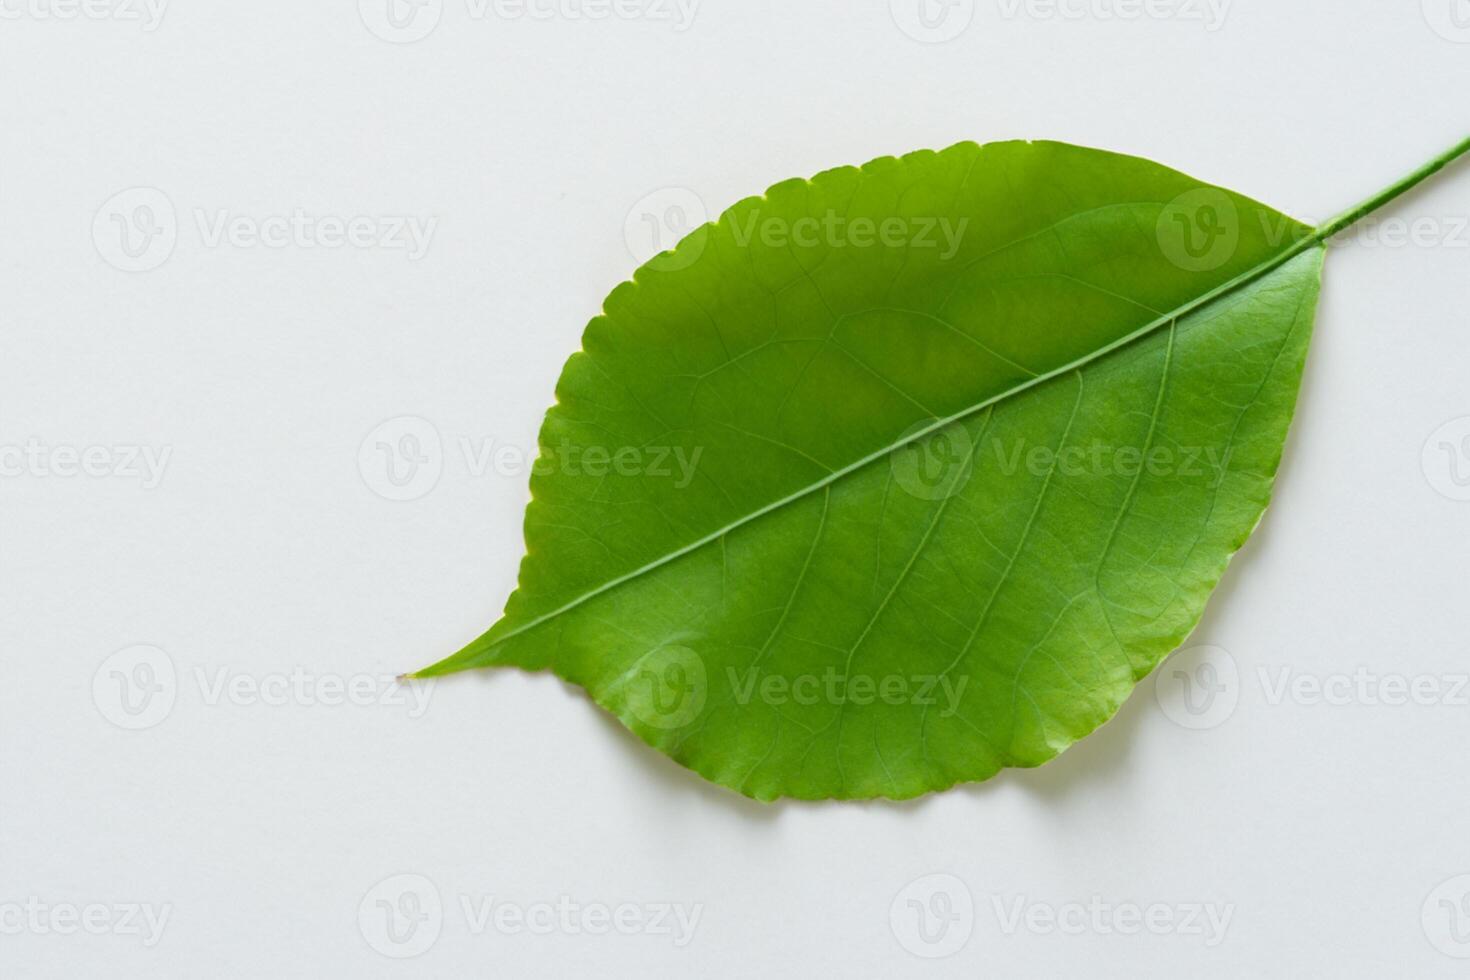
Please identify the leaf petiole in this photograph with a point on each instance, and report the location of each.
(1356, 214)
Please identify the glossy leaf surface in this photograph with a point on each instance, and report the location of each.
(907, 473)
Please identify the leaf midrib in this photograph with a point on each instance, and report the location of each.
(466, 658)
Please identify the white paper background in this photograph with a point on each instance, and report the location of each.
(1330, 833)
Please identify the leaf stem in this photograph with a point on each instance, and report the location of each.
(1356, 214)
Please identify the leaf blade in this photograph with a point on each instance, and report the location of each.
(1103, 275)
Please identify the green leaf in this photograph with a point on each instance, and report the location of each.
(910, 472)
